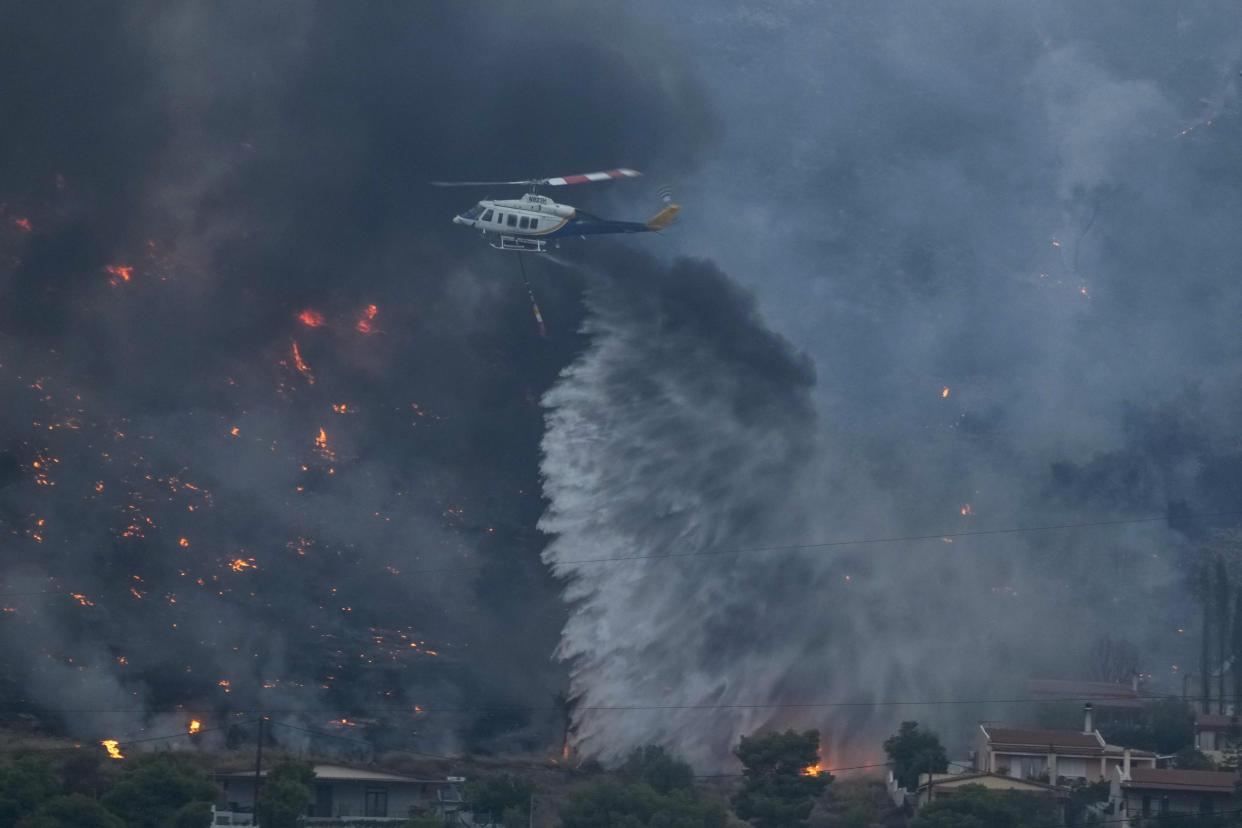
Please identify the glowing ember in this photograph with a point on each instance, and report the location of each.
(113, 747)
(122, 272)
(184, 542)
(311, 318)
(195, 725)
(240, 565)
(302, 367)
(82, 599)
(364, 323)
(23, 223)
(966, 511)
(945, 392)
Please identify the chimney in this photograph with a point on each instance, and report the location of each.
(1088, 716)
(1125, 763)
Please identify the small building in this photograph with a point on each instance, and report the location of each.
(1053, 756)
(942, 785)
(342, 794)
(1114, 703)
(1159, 792)
(1216, 734)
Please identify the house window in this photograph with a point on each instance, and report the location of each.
(1206, 805)
(511, 219)
(487, 216)
(1076, 768)
(1027, 767)
(1146, 805)
(323, 800)
(375, 803)
(524, 223)
(1207, 740)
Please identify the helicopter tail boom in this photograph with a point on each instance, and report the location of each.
(663, 218)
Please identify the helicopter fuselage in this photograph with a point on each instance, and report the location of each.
(525, 223)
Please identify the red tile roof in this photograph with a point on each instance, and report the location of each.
(1171, 779)
(1039, 741)
(1216, 721)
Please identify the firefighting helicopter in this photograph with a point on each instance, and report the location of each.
(527, 223)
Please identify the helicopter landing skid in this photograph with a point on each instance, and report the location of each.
(521, 244)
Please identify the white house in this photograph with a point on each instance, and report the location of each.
(1144, 794)
(346, 795)
(1053, 755)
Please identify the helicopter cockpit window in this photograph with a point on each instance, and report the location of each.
(473, 212)
(512, 220)
(487, 216)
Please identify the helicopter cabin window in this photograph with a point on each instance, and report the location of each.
(534, 224)
(511, 220)
(487, 216)
(524, 223)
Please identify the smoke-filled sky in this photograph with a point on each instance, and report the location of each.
(940, 268)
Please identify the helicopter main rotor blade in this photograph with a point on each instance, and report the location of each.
(482, 183)
(583, 178)
(607, 175)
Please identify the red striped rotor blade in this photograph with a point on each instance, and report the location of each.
(607, 175)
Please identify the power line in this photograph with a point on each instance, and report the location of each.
(797, 547)
(613, 708)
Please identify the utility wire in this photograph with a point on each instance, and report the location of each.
(354, 711)
(799, 547)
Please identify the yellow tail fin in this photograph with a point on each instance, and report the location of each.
(663, 218)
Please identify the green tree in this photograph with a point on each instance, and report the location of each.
(973, 806)
(25, 784)
(778, 791)
(1191, 758)
(606, 803)
(498, 794)
(160, 791)
(912, 751)
(73, 811)
(286, 793)
(658, 768)
(1165, 726)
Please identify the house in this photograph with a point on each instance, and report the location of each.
(1156, 793)
(1053, 756)
(1114, 703)
(1216, 734)
(343, 794)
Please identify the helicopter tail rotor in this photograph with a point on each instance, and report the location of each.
(663, 218)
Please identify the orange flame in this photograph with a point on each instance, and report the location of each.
(113, 747)
(241, 564)
(195, 725)
(817, 768)
(23, 223)
(368, 314)
(966, 512)
(945, 392)
(122, 272)
(311, 318)
(302, 367)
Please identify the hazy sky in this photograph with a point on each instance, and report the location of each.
(1032, 206)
